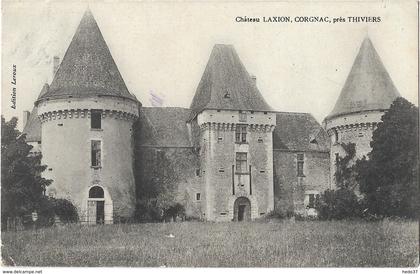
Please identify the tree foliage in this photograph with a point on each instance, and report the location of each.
(156, 179)
(388, 178)
(338, 204)
(23, 187)
(341, 202)
(344, 173)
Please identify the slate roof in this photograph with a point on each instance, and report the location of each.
(32, 128)
(368, 86)
(225, 74)
(164, 127)
(299, 132)
(88, 68)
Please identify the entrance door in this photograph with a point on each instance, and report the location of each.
(96, 205)
(100, 212)
(242, 209)
(241, 212)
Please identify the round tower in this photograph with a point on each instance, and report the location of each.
(367, 93)
(86, 117)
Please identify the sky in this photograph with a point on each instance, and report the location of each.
(163, 47)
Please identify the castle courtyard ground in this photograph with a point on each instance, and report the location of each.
(264, 244)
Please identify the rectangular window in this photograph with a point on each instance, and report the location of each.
(95, 119)
(312, 200)
(240, 134)
(96, 153)
(241, 162)
(300, 162)
(198, 196)
(242, 116)
(197, 172)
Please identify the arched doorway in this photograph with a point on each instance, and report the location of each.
(96, 205)
(242, 209)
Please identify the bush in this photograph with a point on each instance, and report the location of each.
(65, 210)
(177, 210)
(147, 212)
(338, 204)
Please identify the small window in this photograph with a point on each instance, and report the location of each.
(221, 170)
(312, 200)
(39, 142)
(223, 213)
(300, 162)
(260, 139)
(241, 162)
(219, 139)
(60, 125)
(197, 172)
(95, 119)
(96, 153)
(360, 134)
(198, 196)
(240, 134)
(242, 116)
(262, 171)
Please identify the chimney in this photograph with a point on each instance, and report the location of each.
(254, 79)
(25, 119)
(56, 64)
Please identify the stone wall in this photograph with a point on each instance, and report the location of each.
(290, 190)
(177, 168)
(66, 148)
(218, 148)
(354, 128)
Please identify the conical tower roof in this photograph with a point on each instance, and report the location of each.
(226, 84)
(88, 68)
(368, 86)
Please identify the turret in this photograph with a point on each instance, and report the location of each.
(86, 115)
(367, 93)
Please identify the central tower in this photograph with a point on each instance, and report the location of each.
(235, 128)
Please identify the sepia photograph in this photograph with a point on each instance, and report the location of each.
(240, 134)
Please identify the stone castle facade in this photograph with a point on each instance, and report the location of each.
(235, 158)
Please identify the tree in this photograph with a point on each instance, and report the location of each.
(155, 176)
(389, 177)
(342, 202)
(22, 186)
(344, 173)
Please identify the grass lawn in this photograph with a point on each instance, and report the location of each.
(262, 244)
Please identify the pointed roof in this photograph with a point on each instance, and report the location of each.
(88, 68)
(368, 86)
(226, 84)
(32, 127)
